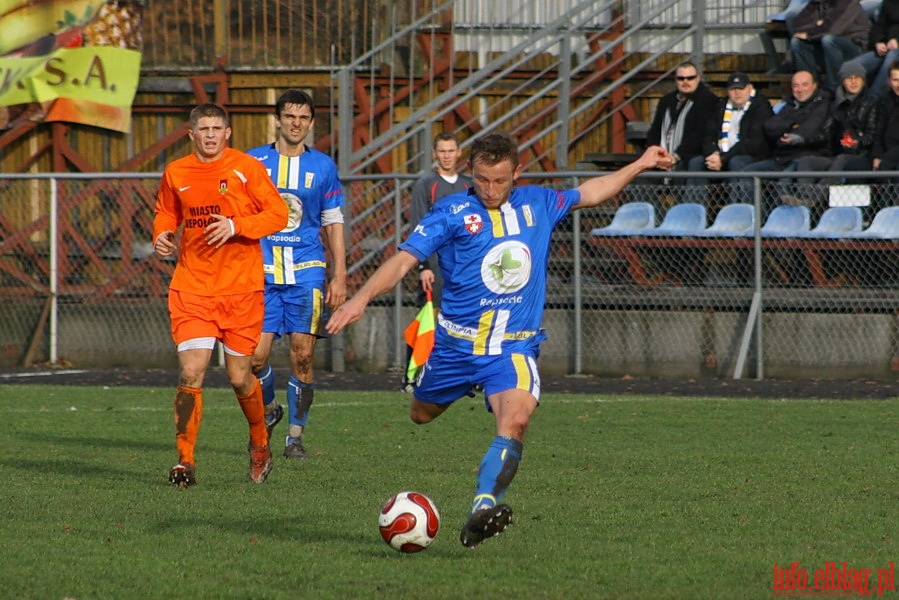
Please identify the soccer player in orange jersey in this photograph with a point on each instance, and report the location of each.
(223, 202)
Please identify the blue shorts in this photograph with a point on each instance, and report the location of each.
(449, 374)
(293, 309)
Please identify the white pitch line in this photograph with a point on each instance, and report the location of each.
(42, 373)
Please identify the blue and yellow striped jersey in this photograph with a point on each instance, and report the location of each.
(309, 184)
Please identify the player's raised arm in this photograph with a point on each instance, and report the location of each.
(597, 190)
(383, 280)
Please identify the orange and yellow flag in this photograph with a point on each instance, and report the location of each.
(420, 337)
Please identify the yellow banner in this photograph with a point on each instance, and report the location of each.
(97, 84)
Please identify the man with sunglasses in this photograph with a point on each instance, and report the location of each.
(681, 116)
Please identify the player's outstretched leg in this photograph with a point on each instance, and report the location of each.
(498, 467)
(485, 523)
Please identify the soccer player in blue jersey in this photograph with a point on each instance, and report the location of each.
(492, 244)
(295, 268)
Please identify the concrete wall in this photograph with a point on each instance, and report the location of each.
(674, 344)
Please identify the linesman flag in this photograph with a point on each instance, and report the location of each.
(420, 337)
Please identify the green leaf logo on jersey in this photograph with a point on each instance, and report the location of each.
(294, 211)
(506, 268)
(506, 264)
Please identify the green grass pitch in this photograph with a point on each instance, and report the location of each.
(616, 497)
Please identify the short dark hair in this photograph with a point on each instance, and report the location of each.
(294, 96)
(687, 64)
(445, 136)
(208, 110)
(894, 66)
(494, 148)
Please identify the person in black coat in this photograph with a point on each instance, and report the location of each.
(883, 48)
(680, 117)
(856, 121)
(827, 33)
(735, 135)
(856, 124)
(801, 127)
(885, 148)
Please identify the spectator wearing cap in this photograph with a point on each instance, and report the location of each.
(883, 49)
(856, 121)
(680, 117)
(735, 135)
(827, 33)
(802, 127)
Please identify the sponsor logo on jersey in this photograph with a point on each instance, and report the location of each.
(528, 215)
(294, 211)
(473, 223)
(506, 268)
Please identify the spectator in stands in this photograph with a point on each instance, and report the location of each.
(884, 48)
(735, 136)
(827, 33)
(801, 127)
(680, 118)
(885, 150)
(856, 120)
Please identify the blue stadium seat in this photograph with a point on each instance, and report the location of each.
(837, 222)
(885, 225)
(631, 218)
(733, 220)
(687, 219)
(787, 221)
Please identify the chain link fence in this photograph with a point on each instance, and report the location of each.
(805, 283)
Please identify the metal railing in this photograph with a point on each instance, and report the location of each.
(78, 279)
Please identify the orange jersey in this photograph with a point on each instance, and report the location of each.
(235, 186)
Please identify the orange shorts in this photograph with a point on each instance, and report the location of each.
(235, 319)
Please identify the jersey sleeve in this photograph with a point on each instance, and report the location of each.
(559, 202)
(333, 192)
(168, 211)
(429, 235)
(272, 210)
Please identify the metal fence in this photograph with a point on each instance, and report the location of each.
(807, 286)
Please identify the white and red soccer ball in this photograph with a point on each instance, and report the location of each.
(409, 522)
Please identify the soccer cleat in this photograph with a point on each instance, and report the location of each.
(485, 523)
(273, 418)
(294, 448)
(182, 475)
(260, 463)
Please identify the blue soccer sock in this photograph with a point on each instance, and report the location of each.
(299, 402)
(497, 469)
(266, 379)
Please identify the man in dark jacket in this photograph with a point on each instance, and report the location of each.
(735, 135)
(885, 149)
(856, 122)
(680, 118)
(801, 127)
(828, 33)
